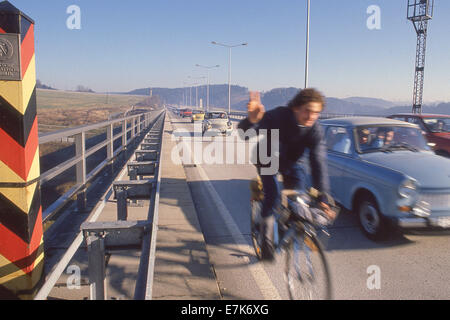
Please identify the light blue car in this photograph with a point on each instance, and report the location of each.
(384, 171)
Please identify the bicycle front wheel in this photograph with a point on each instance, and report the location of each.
(307, 274)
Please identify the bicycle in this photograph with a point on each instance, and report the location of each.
(297, 222)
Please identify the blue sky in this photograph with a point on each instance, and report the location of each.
(124, 45)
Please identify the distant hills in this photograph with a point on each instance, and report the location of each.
(279, 97)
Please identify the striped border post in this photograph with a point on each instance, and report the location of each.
(21, 234)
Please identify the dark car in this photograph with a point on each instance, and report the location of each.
(435, 127)
(186, 113)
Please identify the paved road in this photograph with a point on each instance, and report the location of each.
(412, 266)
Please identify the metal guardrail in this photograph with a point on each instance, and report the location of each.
(324, 115)
(148, 246)
(134, 124)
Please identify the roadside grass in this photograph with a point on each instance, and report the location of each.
(57, 110)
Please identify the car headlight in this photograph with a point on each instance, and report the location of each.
(408, 194)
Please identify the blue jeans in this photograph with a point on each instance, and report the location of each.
(292, 179)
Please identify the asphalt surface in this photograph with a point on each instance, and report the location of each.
(406, 266)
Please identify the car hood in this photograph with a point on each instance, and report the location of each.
(218, 122)
(430, 170)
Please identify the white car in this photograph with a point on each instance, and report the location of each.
(215, 123)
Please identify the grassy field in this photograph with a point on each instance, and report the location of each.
(57, 110)
(62, 109)
(51, 99)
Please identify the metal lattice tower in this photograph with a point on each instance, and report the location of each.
(419, 12)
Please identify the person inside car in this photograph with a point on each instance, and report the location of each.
(363, 135)
(383, 138)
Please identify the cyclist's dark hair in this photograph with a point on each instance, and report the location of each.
(306, 96)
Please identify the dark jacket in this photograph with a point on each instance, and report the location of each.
(294, 139)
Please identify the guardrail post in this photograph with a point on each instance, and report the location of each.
(96, 258)
(124, 137)
(21, 235)
(133, 128)
(80, 150)
(139, 119)
(110, 147)
(122, 206)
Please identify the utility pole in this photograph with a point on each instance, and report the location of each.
(307, 45)
(229, 67)
(207, 89)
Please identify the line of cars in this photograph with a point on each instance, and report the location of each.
(385, 171)
(391, 172)
(213, 123)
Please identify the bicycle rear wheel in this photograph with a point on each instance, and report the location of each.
(307, 274)
(255, 222)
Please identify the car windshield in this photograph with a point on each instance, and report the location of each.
(389, 139)
(198, 112)
(441, 124)
(217, 115)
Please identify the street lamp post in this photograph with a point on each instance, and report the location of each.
(229, 67)
(196, 88)
(207, 90)
(307, 46)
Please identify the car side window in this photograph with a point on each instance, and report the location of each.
(338, 140)
(417, 121)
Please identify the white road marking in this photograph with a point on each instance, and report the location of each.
(259, 274)
(266, 286)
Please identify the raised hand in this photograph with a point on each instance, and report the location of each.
(255, 108)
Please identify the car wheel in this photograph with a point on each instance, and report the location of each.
(371, 221)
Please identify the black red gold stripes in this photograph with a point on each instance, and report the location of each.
(21, 234)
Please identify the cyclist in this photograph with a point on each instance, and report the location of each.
(298, 130)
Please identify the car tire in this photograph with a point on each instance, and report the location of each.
(372, 223)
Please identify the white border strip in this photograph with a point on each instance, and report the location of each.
(152, 255)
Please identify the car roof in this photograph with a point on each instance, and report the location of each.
(422, 115)
(222, 112)
(363, 121)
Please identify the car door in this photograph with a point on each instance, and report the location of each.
(340, 150)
